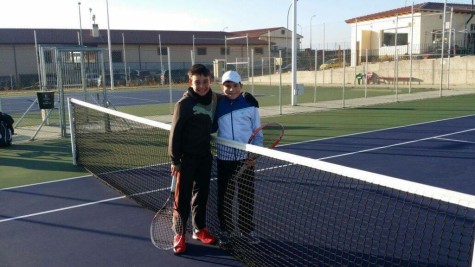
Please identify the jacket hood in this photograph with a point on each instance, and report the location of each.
(205, 100)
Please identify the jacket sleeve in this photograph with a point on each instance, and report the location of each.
(214, 126)
(256, 123)
(251, 99)
(176, 132)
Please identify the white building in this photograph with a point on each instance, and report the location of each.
(416, 30)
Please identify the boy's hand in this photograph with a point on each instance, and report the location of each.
(175, 169)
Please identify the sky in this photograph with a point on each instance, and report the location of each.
(316, 19)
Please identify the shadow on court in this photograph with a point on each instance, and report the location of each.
(82, 222)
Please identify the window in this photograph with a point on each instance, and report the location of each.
(282, 32)
(116, 56)
(436, 36)
(75, 57)
(90, 56)
(389, 38)
(163, 50)
(222, 51)
(437, 39)
(201, 51)
(259, 51)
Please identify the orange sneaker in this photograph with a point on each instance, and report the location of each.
(204, 236)
(179, 246)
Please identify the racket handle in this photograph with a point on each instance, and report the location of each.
(173, 185)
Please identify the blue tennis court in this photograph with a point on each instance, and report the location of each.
(83, 222)
(20, 104)
(440, 153)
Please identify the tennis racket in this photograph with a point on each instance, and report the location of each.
(272, 133)
(167, 222)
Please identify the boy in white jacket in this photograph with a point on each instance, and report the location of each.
(237, 117)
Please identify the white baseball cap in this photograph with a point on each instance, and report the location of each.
(231, 76)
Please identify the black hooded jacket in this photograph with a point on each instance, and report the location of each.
(191, 126)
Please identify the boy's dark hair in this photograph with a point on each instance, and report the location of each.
(198, 69)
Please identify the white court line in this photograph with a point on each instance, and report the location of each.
(455, 140)
(374, 131)
(47, 182)
(397, 144)
(80, 205)
(61, 209)
(138, 98)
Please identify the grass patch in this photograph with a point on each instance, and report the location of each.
(38, 161)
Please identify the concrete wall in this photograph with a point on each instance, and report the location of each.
(424, 71)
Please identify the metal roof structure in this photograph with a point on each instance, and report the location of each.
(418, 8)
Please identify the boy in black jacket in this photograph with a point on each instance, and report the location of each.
(190, 151)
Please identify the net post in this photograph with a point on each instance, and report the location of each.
(72, 132)
(170, 80)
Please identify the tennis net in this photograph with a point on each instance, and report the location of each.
(305, 212)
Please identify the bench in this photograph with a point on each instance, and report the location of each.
(399, 79)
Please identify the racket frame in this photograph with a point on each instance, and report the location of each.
(157, 229)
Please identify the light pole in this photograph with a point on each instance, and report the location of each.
(315, 62)
(225, 28)
(111, 70)
(443, 47)
(294, 56)
(311, 32)
(90, 18)
(286, 32)
(80, 24)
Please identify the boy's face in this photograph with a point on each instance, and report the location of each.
(231, 89)
(200, 84)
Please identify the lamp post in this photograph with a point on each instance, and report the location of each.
(442, 49)
(286, 32)
(90, 18)
(294, 56)
(315, 62)
(80, 24)
(225, 28)
(111, 70)
(311, 32)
